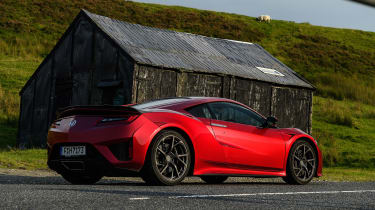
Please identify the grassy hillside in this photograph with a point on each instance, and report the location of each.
(328, 57)
(339, 62)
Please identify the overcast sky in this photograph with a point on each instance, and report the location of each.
(333, 13)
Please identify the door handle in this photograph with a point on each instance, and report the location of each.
(218, 125)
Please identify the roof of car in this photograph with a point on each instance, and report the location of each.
(188, 101)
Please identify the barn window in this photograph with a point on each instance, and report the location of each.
(113, 94)
(270, 71)
(119, 98)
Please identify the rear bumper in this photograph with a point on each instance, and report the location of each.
(110, 148)
(93, 163)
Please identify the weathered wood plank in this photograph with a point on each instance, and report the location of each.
(256, 95)
(148, 81)
(292, 107)
(226, 87)
(168, 84)
(182, 78)
(203, 85)
(260, 97)
(135, 84)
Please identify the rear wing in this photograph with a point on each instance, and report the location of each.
(97, 110)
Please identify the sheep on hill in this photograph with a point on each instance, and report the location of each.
(264, 18)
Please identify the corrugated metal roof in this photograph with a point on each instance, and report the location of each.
(171, 49)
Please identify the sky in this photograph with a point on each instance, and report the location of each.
(332, 13)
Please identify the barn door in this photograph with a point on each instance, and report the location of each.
(291, 107)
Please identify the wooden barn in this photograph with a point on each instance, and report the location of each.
(100, 60)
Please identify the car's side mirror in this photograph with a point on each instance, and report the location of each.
(270, 122)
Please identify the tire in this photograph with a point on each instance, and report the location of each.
(214, 179)
(168, 160)
(80, 179)
(302, 163)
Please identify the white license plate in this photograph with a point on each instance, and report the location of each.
(71, 151)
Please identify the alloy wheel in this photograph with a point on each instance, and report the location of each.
(172, 157)
(304, 162)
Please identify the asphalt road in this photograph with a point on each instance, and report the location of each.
(52, 192)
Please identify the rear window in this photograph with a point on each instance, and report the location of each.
(199, 111)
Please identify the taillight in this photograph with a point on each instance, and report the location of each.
(112, 119)
(56, 123)
(125, 119)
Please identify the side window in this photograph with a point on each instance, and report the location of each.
(231, 112)
(200, 111)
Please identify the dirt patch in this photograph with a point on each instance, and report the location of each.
(21, 172)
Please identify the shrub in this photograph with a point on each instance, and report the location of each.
(340, 87)
(9, 108)
(328, 144)
(335, 114)
(370, 114)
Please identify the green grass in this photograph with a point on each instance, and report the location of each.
(329, 57)
(339, 62)
(348, 174)
(345, 131)
(14, 72)
(30, 159)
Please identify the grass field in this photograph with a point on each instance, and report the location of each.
(30, 159)
(345, 131)
(339, 62)
(348, 174)
(329, 57)
(14, 72)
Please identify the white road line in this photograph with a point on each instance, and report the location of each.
(284, 193)
(259, 194)
(141, 198)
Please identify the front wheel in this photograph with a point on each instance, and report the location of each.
(169, 160)
(302, 163)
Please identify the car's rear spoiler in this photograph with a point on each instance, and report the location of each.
(96, 110)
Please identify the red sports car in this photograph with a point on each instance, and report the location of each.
(163, 141)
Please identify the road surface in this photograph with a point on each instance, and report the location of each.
(49, 191)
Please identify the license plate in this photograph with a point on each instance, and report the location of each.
(72, 151)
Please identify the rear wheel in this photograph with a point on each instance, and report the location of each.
(83, 179)
(214, 179)
(169, 160)
(302, 163)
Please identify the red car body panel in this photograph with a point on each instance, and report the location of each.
(235, 149)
